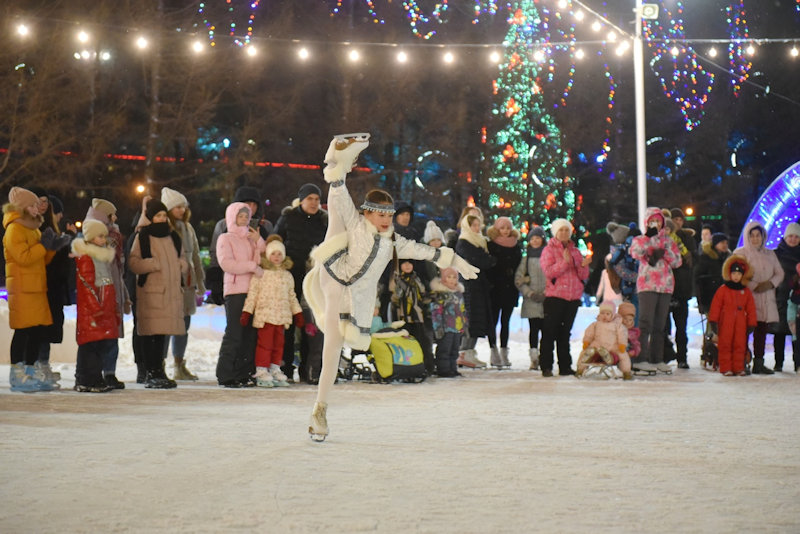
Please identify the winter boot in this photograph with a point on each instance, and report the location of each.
(504, 357)
(278, 378)
(462, 360)
(100, 388)
(264, 378)
(471, 356)
(54, 376)
(534, 356)
(44, 374)
(181, 372)
(158, 380)
(111, 380)
(495, 359)
(318, 426)
(21, 381)
(760, 369)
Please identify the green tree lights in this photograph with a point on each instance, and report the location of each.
(528, 181)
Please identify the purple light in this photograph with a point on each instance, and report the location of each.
(778, 206)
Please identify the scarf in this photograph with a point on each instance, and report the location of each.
(534, 252)
(494, 233)
(468, 235)
(155, 230)
(736, 286)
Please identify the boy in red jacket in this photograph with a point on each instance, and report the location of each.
(733, 316)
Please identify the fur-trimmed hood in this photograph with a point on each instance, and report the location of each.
(751, 226)
(438, 287)
(295, 206)
(492, 233)
(285, 265)
(710, 251)
(82, 248)
(735, 258)
(13, 213)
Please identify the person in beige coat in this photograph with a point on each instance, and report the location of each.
(767, 275)
(157, 259)
(194, 282)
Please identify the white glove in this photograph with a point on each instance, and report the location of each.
(341, 157)
(465, 269)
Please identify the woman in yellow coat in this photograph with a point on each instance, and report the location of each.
(26, 281)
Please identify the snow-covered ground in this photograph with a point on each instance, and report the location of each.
(494, 451)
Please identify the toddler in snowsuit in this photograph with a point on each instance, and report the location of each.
(627, 312)
(605, 341)
(732, 317)
(409, 302)
(449, 318)
(342, 287)
(98, 319)
(272, 304)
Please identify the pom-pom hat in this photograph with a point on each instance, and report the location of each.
(104, 206)
(432, 231)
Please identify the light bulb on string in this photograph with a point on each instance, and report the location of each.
(751, 50)
(579, 15)
(579, 53)
(402, 57)
(712, 52)
(794, 52)
(83, 37)
(354, 56)
(197, 47)
(448, 57)
(251, 50)
(23, 30)
(303, 53)
(494, 57)
(105, 55)
(674, 51)
(141, 43)
(612, 36)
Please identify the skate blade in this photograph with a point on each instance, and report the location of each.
(319, 438)
(360, 136)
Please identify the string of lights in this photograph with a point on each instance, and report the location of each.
(737, 27)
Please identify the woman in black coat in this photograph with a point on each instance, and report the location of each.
(504, 248)
(708, 270)
(472, 246)
(788, 253)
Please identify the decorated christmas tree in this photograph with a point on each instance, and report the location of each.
(527, 176)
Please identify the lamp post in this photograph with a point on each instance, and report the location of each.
(638, 75)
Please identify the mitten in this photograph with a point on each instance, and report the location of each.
(651, 231)
(299, 322)
(311, 329)
(245, 318)
(464, 268)
(763, 286)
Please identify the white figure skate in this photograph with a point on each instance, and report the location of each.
(318, 427)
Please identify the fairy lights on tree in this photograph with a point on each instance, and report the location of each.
(528, 166)
(232, 13)
(737, 27)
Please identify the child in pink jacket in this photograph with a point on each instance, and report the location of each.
(658, 255)
(606, 341)
(239, 255)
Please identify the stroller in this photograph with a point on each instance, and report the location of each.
(709, 355)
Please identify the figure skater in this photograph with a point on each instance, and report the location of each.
(342, 287)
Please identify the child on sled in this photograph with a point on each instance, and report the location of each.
(605, 343)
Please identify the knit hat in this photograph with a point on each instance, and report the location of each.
(537, 231)
(556, 225)
(153, 207)
(402, 206)
(55, 202)
(308, 189)
(607, 305)
(432, 231)
(22, 198)
(92, 228)
(792, 229)
(738, 267)
(246, 194)
(618, 232)
(670, 224)
(275, 242)
(447, 270)
(676, 212)
(172, 198)
(104, 206)
(717, 238)
(626, 309)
